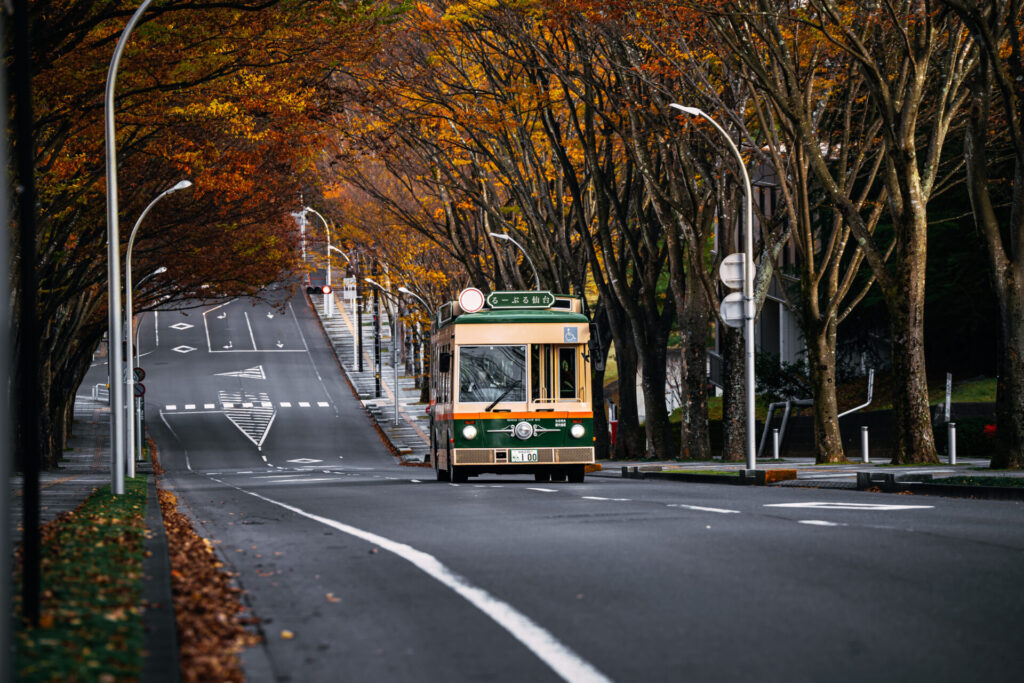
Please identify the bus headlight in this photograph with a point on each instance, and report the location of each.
(577, 431)
(469, 432)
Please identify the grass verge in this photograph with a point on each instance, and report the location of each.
(90, 626)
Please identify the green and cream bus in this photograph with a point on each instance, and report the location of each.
(510, 387)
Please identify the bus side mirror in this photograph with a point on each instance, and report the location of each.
(444, 362)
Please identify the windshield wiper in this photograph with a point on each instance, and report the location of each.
(503, 395)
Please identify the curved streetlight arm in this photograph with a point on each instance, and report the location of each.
(331, 247)
(502, 236)
(406, 290)
(158, 271)
(748, 281)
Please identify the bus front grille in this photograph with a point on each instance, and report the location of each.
(473, 456)
(575, 455)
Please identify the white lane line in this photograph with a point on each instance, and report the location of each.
(302, 481)
(266, 404)
(849, 506)
(209, 406)
(322, 404)
(209, 347)
(562, 660)
(247, 405)
(190, 406)
(529, 488)
(699, 508)
(818, 522)
(170, 406)
(415, 481)
(252, 337)
(285, 404)
(615, 500)
(184, 450)
(303, 404)
(156, 327)
(271, 476)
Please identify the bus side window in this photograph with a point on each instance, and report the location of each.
(567, 372)
(535, 371)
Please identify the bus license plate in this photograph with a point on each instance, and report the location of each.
(523, 455)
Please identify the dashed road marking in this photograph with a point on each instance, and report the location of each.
(303, 404)
(285, 404)
(849, 506)
(209, 406)
(529, 488)
(818, 522)
(700, 508)
(170, 407)
(190, 406)
(616, 500)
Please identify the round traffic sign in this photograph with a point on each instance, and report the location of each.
(471, 300)
(140, 389)
(139, 374)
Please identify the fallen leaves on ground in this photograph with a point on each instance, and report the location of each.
(211, 619)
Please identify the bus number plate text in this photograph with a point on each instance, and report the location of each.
(523, 455)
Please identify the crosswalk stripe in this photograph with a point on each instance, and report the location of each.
(322, 404)
(285, 404)
(303, 404)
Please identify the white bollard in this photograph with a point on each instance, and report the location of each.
(864, 455)
(775, 444)
(951, 439)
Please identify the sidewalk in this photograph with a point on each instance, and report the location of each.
(408, 437)
(85, 467)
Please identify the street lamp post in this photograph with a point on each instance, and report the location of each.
(133, 424)
(426, 307)
(129, 379)
(748, 280)
(501, 236)
(114, 355)
(394, 337)
(327, 231)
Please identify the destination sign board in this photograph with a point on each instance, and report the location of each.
(520, 299)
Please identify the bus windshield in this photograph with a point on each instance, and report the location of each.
(486, 373)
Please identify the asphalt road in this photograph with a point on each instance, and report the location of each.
(382, 573)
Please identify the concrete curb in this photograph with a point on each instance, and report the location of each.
(162, 663)
(925, 484)
(741, 478)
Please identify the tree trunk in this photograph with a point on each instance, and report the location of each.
(629, 439)
(1010, 383)
(734, 426)
(656, 425)
(694, 439)
(914, 441)
(821, 357)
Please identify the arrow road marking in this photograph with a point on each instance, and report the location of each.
(254, 422)
(541, 642)
(849, 506)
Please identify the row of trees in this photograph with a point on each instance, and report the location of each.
(220, 92)
(550, 121)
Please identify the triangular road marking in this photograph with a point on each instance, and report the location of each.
(255, 372)
(253, 422)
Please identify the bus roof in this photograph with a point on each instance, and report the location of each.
(517, 316)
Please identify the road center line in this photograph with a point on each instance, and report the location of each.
(542, 490)
(699, 508)
(538, 640)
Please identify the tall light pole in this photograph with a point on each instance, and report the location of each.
(114, 356)
(426, 307)
(327, 230)
(501, 236)
(134, 421)
(748, 280)
(394, 337)
(129, 380)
